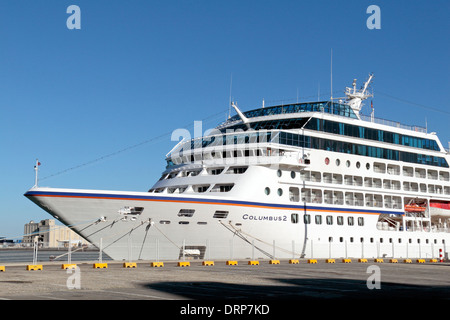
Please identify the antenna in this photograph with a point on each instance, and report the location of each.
(331, 74)
(229, 105)
(318, 91)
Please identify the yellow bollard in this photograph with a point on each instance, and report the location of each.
(99, 265)
(157, 264)
(129, 265)
(32, 267)
(184, 264)
(347, 260)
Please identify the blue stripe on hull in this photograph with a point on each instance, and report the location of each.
(202, 201)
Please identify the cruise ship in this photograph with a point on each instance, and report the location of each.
(303, 180)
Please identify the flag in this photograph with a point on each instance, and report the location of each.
(371, 104)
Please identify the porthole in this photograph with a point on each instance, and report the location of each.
(367, 166)
(358, 165)
(279, 173)
(293, 174)
(267, 190)
(280, 192)
(327, 161)
(347, 163)
(338, 162)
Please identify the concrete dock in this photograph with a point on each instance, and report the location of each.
(264, 281)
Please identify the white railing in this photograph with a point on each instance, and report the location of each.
(394, 124)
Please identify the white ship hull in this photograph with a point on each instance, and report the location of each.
(251, 230)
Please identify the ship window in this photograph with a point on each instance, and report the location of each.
(363, 150)
(201, 188)
(267, 190)
(164, 222)
(307, 219)
(220, 214)
(350, 221)
(183, 222)
(202, 223)
(293, 174)
(279, 173)
(216, 171)
(131, 211)
(360, 221)
(318, 219)
(280, 192)
(294, 194)
(294, 217)
(329, 220)
(237, 170)
(186, 212)
(222, 187)
(340, 220)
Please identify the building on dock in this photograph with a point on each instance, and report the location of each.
(51, 235)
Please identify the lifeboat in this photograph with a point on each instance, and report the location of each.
(414, 208)
(440, 208)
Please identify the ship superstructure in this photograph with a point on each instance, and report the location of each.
(316, 179)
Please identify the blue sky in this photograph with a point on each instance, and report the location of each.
(137, 70)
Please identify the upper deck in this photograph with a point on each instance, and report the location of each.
(326, 107)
